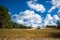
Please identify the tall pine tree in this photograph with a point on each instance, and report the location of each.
(4, 17)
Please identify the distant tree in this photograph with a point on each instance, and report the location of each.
(38, 27)
(4, 17)
(29, 27)
(48, 26)
(19, 26)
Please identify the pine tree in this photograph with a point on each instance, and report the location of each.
(4, 17)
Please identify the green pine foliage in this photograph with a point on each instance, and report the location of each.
(4, 17)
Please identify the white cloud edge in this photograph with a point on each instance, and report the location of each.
(35, 6)
(56, 4)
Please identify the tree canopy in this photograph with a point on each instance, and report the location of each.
(4, 17)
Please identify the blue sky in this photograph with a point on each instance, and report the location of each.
(15, 8)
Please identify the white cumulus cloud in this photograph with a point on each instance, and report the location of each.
(48, 17)
(58, 12)
(56, 4)
(28, 18)
(56, 17)
(49, 20)
(35, 6)
(51, 9)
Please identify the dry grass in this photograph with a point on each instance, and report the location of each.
(18, 33)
